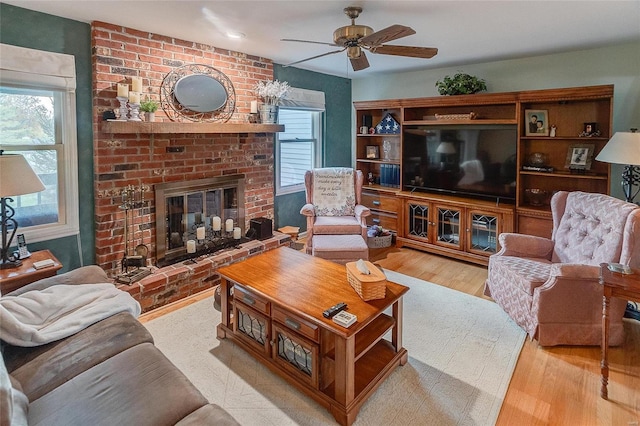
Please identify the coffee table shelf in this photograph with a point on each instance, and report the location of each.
(339, 367)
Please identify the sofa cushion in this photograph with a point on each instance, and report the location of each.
(43, 368)
(138, 386)
(336, 225)
(590, 230)
(210, 414)
(13, 402)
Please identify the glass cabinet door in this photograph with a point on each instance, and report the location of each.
(448, 226)
(251, 326)
(418, 223)
(483, 231)
(296, 354)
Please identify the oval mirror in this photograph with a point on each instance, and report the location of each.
(200, 93)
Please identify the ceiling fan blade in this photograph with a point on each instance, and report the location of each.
(411, 51)
(393, 32)
(315, 57)
(308, 41)
(360, 62)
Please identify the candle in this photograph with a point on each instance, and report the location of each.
(191, 246)
(123, 90)
(236, 233)
(228, 225)
(200, 233)
(136, 84)
(134, 97)
(216, 223)
(198, 218)
(254, 107)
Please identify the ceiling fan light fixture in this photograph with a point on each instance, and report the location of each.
(354, 52)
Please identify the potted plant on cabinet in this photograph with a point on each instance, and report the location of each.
(149, 107)
(461, 84)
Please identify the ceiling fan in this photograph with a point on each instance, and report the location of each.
(357, 38)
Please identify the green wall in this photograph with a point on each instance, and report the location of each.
(35, 30)
(618, 65)
(337, 132)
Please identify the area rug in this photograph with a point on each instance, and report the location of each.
(462, 353)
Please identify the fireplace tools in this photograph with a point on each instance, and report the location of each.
(134, 261)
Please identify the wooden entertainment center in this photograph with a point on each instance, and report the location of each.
(575, 124)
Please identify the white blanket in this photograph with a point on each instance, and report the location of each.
(43, 316)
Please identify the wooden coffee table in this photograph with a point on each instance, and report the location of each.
(272, 307)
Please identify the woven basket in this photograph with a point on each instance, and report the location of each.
(379, 242)
(368, 287)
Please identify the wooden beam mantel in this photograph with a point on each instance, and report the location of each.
(175, 127)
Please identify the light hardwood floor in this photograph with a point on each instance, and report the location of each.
(550, 386)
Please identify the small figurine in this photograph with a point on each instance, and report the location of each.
(552, 132)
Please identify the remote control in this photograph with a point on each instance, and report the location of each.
(334, 310)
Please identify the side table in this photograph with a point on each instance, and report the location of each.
(615, 284)
(14, 278)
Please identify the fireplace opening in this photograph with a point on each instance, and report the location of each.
(198, 217)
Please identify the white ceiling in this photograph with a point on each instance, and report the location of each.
(463, 31)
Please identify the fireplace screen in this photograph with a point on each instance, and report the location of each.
(198, 216)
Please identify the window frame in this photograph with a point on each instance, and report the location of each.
(40, 70)
(318, 139)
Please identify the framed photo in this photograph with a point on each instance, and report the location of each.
(579, 157)
(537, 122)
(373, 152)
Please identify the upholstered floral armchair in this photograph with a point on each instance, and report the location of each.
(333, 197)
(550, 287)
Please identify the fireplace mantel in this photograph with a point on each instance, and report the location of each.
(128, 127)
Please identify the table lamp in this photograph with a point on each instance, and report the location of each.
(445, 149)
(16, 178)
(624, 148)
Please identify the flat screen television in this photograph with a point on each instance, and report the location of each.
(469, 160)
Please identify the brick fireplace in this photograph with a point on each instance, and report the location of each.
(144, 160)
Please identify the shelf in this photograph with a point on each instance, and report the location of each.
(567, 138)
(566, 175)
(454, 122)
(366, 160)
(125, 127)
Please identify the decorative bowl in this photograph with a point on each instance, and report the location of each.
(536, 196)
(538, 159)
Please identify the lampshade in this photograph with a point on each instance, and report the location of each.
(622, 148)
(446, 148)
(17, 177)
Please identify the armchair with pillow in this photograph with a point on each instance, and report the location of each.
(333, 197)
(550, 287)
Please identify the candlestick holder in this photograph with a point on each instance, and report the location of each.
(135, 112)
(124, 110)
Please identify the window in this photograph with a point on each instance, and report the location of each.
(37, 120)
(299, 147)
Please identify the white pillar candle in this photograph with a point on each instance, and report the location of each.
(236, 233)
(134, 97)
(123, 90)
(200, 233)
(136, 84)
(191, 246)
(216, 223)
(228, 225)
(254, 107)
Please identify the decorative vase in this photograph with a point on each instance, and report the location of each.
(268, 114)
(150, 117)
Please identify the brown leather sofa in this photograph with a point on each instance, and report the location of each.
(110, 373)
